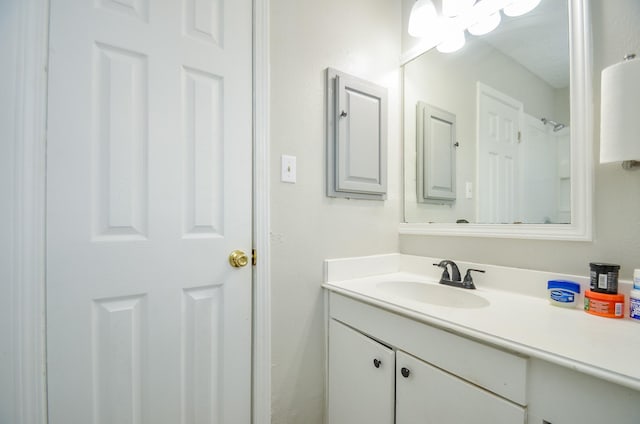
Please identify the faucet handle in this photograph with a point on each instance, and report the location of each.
(445, 273)
(467, 277)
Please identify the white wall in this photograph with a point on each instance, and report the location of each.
(360, 37)
(616, 196)
(538, 172)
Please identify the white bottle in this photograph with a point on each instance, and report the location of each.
(634, 297)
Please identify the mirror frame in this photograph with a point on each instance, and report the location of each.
(581, 100)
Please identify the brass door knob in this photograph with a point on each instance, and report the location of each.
(238, 259)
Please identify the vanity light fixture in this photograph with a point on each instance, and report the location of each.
(446, 31)
(520, 7)
(423, 18)
(451, 8)
(619, 105)
(485, 24)
(454, 41)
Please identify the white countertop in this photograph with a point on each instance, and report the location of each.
(521, 320)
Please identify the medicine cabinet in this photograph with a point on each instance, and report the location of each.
(356, 137)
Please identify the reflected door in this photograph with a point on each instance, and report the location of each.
(148, 191)
(499, 119)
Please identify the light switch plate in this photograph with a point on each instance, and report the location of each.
(469, 190)
(288, 173)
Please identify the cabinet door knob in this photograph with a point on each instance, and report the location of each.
(405, 372)
(377, 363)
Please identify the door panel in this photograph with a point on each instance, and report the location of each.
(148, 191)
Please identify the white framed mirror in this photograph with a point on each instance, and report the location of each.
(544, 205)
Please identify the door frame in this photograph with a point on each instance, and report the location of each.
(26, 201)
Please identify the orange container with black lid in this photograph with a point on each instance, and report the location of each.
(604, 305)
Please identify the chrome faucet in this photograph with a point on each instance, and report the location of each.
(454, 279)
(455, 272)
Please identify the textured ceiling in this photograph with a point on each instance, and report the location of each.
(539, 41)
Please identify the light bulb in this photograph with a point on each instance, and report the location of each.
(520, 7)
(451, 8)
(423, 16)
(454, 41)
(486, 24)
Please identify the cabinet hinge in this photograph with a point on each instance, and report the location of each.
(519, 136)
(254, 257)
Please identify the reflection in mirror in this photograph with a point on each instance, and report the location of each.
(509, 93)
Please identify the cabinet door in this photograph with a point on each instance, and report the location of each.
(356, 137)
(361, 378)
(436, 155)
(425, 395)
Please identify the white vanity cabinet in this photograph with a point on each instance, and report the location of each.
(426, 394)
(361, 378)
(516, 359)
(425, 374)
(429, 375)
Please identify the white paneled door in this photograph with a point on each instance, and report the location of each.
(499, 126)
(148, 192)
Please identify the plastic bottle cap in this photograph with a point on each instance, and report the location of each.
(564, 285)
(636, 279)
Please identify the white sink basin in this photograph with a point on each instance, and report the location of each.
(434, 294)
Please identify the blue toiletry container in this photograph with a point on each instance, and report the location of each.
(563, 293)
